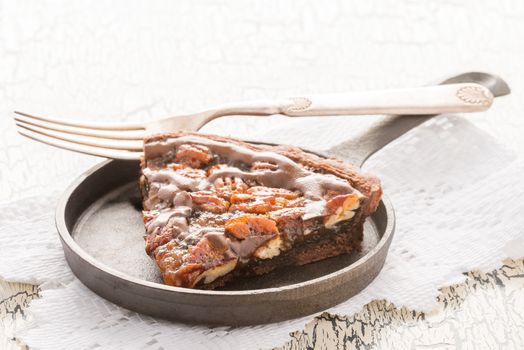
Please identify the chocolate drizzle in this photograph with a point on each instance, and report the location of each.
(289, 174)
(246, 247)
(181, 182)
(168, 191)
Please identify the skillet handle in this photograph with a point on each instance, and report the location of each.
(357, 151)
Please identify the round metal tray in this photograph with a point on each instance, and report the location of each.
(100, 226)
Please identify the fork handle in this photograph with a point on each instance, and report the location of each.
(452, 98)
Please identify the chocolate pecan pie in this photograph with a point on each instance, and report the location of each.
(218, 209)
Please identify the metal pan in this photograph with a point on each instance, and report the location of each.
(99, 222)
(100, 226)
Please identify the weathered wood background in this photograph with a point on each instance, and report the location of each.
(486, 311)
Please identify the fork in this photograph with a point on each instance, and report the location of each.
(468, 92)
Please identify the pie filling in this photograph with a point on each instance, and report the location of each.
(215, 208)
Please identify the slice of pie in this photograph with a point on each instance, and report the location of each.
(218, 209)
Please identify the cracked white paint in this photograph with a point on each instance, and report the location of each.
(483, 312)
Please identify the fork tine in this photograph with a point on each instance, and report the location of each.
(109, 134)
(86, 125)
(127, 145)
(95, 151)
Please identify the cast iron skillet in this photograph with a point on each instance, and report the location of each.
(100, 226)
(98, 219)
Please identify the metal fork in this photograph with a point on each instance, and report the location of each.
(468, 92)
